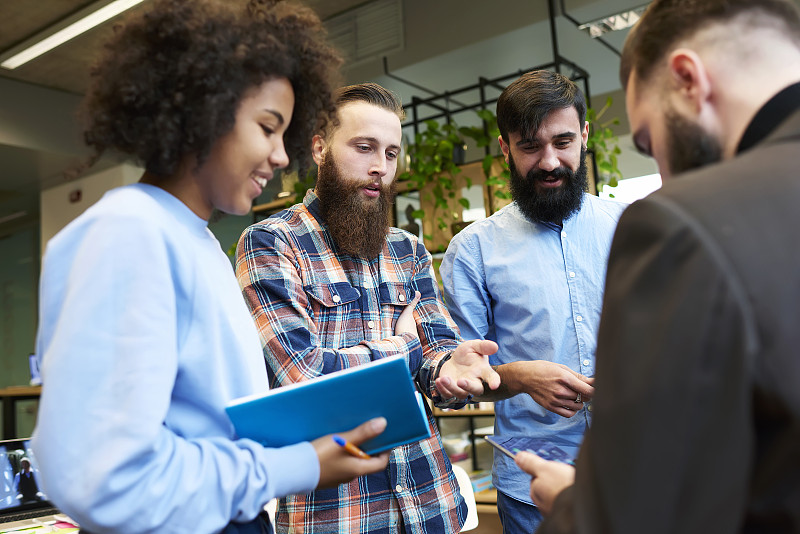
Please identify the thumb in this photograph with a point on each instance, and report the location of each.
(481, 346)
(365, 431)
(529, 462)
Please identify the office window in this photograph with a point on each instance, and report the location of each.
(632, 189)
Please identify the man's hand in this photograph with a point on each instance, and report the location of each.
(467, 370)
(554, 386)
(405, 323)
(337, 466)
(549, 478)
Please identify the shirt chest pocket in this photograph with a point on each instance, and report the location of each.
(336, 313)
(394, 296)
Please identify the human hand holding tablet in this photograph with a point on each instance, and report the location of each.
(544, 449)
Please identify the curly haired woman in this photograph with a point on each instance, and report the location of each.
(143, 334)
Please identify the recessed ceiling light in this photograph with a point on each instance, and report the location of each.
(612, 23)
(63, 31)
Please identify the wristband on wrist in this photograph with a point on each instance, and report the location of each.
(440, 364)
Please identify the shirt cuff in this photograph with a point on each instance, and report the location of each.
(293, 469)
(452, 403)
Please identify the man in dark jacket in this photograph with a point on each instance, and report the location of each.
(697, 406)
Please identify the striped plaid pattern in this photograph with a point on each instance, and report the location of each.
(318, 311)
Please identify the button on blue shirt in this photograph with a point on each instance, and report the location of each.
(537, 290)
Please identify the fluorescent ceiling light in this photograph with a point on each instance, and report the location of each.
(63, 31)
(612, 23)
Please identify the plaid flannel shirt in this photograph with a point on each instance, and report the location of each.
(319, 311)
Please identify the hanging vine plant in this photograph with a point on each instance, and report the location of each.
(604, 145)
(433, 170)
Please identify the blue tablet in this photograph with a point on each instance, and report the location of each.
(541, 447)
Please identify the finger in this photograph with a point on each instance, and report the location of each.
(485, 346)
(578, 385)
(563, 411)
(449, 388)
(373, 463)
(477, 386)
(469, 386)
(464, 387)
(365, 431)
(444, 385)
(409, 309)
(529, 462)
(359, 467)
(407, 312)
(491, 378)
(571, 399)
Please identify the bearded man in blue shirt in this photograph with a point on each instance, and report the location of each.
(530, 277)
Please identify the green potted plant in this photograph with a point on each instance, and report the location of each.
(433, 170)
(604, 145)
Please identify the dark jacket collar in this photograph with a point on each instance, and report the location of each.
(770, 117)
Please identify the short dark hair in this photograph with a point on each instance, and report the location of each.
(171, 79)
(525, 103)
(371, 93)
(667, 21)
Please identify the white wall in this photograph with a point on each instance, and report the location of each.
(57, 209)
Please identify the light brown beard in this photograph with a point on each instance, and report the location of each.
(357, 226)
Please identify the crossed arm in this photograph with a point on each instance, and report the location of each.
(269, 271)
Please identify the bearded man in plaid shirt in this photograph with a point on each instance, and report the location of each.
(331, 285)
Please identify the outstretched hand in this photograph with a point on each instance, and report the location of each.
(549, 478)
(467, 370)
(337, 466)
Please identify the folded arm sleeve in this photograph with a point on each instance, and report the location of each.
(272, 282)
(438, 333)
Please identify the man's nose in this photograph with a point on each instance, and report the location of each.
(378, 166)
(549, 160)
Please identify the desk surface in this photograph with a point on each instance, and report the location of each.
(21, 391)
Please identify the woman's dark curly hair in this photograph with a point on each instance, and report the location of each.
(171, 79)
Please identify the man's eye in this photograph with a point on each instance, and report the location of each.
(391, 155)
(363, 148)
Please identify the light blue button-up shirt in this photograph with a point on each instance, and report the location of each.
(537, 290)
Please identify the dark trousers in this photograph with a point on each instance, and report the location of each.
(260, 525)
(517, 517)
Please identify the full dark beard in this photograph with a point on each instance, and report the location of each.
(358, 226)
(551, 205)
(690, 147)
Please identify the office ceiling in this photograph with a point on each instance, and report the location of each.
(66, 68)
(25, 170)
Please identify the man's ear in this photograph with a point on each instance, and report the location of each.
(317, 148)
(689, 77)
(585, 133)
(503, 147)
